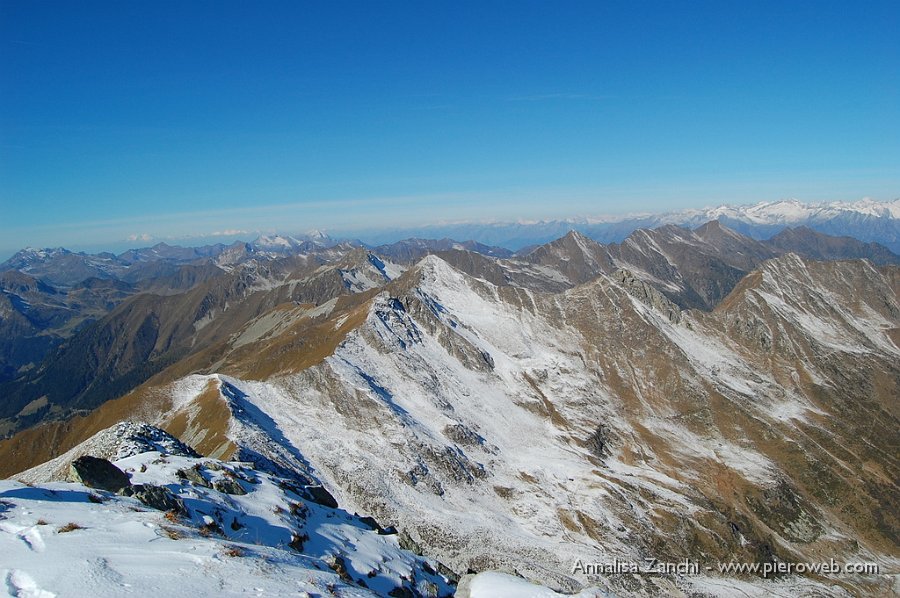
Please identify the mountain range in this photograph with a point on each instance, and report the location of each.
(866, 220)
(686, 393)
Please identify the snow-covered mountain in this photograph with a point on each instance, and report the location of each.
(286, 244)
(686, 395)
(866, 220)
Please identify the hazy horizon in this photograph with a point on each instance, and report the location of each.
(375, 235)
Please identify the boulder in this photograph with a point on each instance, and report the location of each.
(339, 566)
(98, 473)
(228, 486)
(192, 474)
(155, 497)
(321, 496)
(407, 543)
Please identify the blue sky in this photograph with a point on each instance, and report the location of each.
(169, 119)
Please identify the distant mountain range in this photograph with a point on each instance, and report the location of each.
(47, 295)
(866, 220)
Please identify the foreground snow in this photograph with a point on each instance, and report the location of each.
(65, 539)
(501, 585)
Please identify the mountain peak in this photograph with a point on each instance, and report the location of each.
(714, 229)
(316, 235)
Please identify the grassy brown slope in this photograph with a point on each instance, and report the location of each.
(148, 333)
(843, 460)
(44, 442)
(203, 424)
(305, 343)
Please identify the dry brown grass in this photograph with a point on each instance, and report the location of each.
(69, 527)
(209, 413)
(504, 492)
(40, 444)
(528, 477)
(303, 345)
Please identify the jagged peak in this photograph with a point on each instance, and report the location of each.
(645, 293)
(571, 241)
(432, 273)
(575, 235)
(433, 267)
(713, 227)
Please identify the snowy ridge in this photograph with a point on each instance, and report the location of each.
(867, 220)
(246, 530)
(787, 211)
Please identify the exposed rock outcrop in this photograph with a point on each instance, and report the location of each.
(98, 473)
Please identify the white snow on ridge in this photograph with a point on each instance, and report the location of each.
(60, 539)
(789, 211)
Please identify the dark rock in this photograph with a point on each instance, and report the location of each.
(192, 474)
(448, 573)
(463, 435)
(321, 496)
(371, 522)
(401, 592)
(229, 486)
(598, 442)
(298, 540)
(155, 497)
(648, 295)
(407, 543)
(98, 473)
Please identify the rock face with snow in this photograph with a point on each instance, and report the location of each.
(66, 539)
(570, 405)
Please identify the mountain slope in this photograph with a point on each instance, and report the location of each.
(506, 423)
(809, 243)
(454, 374)
(522, 430)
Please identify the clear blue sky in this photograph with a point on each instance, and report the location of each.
(174, 118)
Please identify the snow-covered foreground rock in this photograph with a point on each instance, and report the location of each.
(240, 532)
